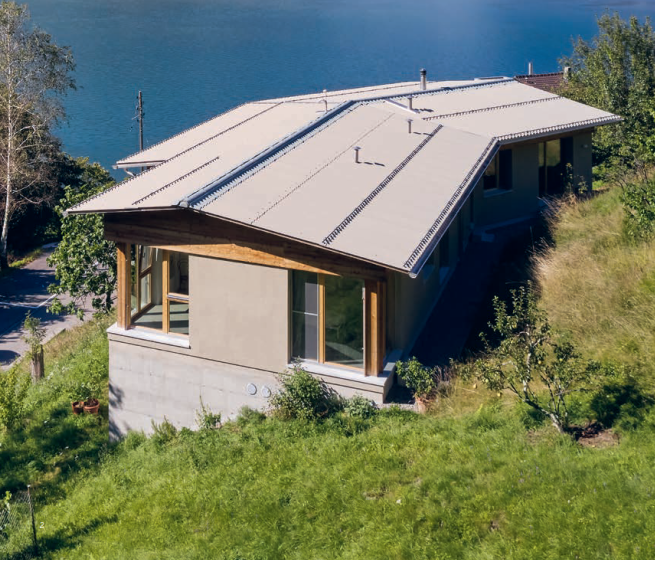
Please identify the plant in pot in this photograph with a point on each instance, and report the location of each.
(76, 395)
(84, 397)
(421, 380)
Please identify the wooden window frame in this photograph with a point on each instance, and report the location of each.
(374, 336)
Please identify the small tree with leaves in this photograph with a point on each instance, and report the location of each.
(84, 261)
(34, 335)
(540, 371)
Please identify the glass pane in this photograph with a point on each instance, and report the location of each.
(305, 336)
(505, 169)
(145, 257)
(490, 176)
(344, 321)
(134, 308)
(179, 273)
(146, 297)
(541, 154)
(179, 317)
(151, 319)
(553, 152)
(305, 292)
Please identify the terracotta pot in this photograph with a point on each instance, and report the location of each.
(422, 404)
(77, 406)
(91, 406)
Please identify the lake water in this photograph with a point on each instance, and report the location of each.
(196, 58)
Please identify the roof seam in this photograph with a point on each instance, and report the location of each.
(226, 183)
(451, 89)
(319, 170)
(479, 164)
(342, 225)
(561, 128)
(176, 181)
(493, 108)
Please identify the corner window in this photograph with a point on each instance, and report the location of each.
(498, 174)
(327, 319)
(550, 167)
(159, 290)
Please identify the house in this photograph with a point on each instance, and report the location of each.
(320, 227)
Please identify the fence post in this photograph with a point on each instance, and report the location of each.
(36, 545)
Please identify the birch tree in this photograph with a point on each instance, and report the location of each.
(34, 76)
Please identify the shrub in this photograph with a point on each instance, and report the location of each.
(638, 201)
(206, 419)
(163, 433)
(302, 396)
(249, 416)
(422, 380)
(13, 390)
(360, 407)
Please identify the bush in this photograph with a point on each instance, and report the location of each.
(638, 201)
(13, 390)
(164, 432)
(206, 419)
(249, 416)
(422, 380)
(302, 396)
(360, 407)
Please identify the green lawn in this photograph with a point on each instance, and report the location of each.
(480, 477)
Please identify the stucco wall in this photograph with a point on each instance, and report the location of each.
(521, 200)
(238, 313)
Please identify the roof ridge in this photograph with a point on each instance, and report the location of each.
(492, 108)
(560, 128)
(344, 223)
(540, 74)
(208, 193)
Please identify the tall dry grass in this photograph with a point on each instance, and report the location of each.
(597, 285)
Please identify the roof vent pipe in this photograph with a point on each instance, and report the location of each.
(325, 101)
(409, 126)
(566, 73)
(410, 102)
(357, 154)
(530, 69)
(422, 79)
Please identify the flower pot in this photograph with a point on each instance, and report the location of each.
(91, 406)
(77, 406)
(422, 404)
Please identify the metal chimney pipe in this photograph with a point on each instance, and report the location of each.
(410, 102)
(422, 79)
(530, 69)
(409, 126)
(357, 154)
(566, 72)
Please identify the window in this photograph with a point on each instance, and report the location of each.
(159, 290)
(550, 168)
(327, 319)
(498, 174)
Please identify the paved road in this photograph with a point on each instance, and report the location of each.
(26, 290)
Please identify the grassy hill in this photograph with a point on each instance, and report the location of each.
(480, 477)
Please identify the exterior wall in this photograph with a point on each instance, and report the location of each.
(518, 202)
(582, 159)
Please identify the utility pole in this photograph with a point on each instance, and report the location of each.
(140, 116)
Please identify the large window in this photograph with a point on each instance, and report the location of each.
(159, 288)
(498, 174)
(327, 319)
(553, 156)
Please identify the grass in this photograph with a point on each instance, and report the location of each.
(597, 286)
(480, 477)
(17, 263)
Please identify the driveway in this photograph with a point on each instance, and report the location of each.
(26, 290)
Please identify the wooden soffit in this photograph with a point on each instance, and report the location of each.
(189, 232)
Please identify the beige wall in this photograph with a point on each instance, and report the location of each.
(238, 313)
(518, 202)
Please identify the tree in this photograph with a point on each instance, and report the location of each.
(84, 261)
(34, 75)
(528, 357)
(615, 72)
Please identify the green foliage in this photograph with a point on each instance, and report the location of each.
(35, 334)
(526, 358)
(13, 391)
(248, 416)
(164, 432)
(302, 396)
(205, 419)
(360, 407)
(84, 261)
(615, 72)
(422, 380)
(638, 201)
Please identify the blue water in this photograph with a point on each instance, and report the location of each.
(196, 58)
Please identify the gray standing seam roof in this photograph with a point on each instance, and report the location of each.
(288, 167)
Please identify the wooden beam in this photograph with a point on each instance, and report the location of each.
(166, 305)
(123, 285)
(188, 232)
(374, 316)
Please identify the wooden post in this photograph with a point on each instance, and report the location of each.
(374, 315)
(123, 285)
(166, 304)
(37, 366)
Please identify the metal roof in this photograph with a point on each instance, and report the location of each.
(288, 166)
